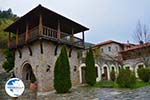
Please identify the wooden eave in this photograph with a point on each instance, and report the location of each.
(50, 19)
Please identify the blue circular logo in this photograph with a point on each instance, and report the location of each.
(14, 87)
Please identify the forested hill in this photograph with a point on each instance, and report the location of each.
(6, 18)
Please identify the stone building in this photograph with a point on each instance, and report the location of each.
(106, 59)
(40, 35)
(111, 55)
(136, 57)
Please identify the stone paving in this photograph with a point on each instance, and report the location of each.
(82, 93)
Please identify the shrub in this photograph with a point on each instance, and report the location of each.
(112, 75)
(62, 81)
(126, 79)
(90, 71)
(8, 65)
(144, 74)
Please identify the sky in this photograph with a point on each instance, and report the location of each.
(106, 19)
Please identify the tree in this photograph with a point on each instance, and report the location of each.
(142, 33)
(142, 36)
(8, 65)
(126, 79)
(90, 71)
(62, 81)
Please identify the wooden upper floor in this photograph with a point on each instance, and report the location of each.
(42, 23)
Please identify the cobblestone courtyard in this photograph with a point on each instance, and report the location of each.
(82, 93)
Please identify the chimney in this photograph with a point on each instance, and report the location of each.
(128, 42)
(141, 42)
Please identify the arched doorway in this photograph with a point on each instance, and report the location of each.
(82, 73)
(105, 72)
(138, 66)
(28, 75)
(127, 66)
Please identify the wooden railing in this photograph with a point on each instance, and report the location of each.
(48, 33)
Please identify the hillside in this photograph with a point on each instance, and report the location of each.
(3, 24)
(6, 18)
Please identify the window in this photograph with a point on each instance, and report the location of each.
(102, 50)
(116, 48)
(109, 48)
(75, 68)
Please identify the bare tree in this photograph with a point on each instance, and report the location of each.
(142, 36)
(142, 33)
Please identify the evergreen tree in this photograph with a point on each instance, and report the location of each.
(8, 65)
(90, 71)
(62, 81)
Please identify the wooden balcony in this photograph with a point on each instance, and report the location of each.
(48, 34)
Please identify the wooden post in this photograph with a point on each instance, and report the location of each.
(9, 36)
(17, 38)
(40, 25)
(72, 37)
(83, 37)
(58, 31)
(27, 33)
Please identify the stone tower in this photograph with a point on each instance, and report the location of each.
(39, 36)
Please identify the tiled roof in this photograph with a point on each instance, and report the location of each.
(136, 47)
(107, 42)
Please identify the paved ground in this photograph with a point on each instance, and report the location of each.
(82, 93)
(101, 94)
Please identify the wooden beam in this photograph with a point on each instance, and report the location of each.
(58, 31)
(9, 36)
(30, 50)
(55, 52)
(72, 37)
(17, 37)
(41, 46)
(40, 25)
(27, 33)
(83, 38)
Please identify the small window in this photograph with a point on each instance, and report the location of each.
(113, 68)
(109, 48)
(116, 48)
(75, 68)
(128, 67)
(102, 50)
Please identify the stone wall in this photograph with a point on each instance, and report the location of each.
(40, 63)
(115, 48)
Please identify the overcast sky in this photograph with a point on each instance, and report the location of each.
(107, 19)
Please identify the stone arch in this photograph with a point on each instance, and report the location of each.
(113, 67)
(105, 72)
(139, 65)
(28, 75)
(128, 66)
(98, 71)
(82, 73)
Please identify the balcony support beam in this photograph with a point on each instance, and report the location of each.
(56, 48)
(30, 50)
(20, 53)
(41, 46)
